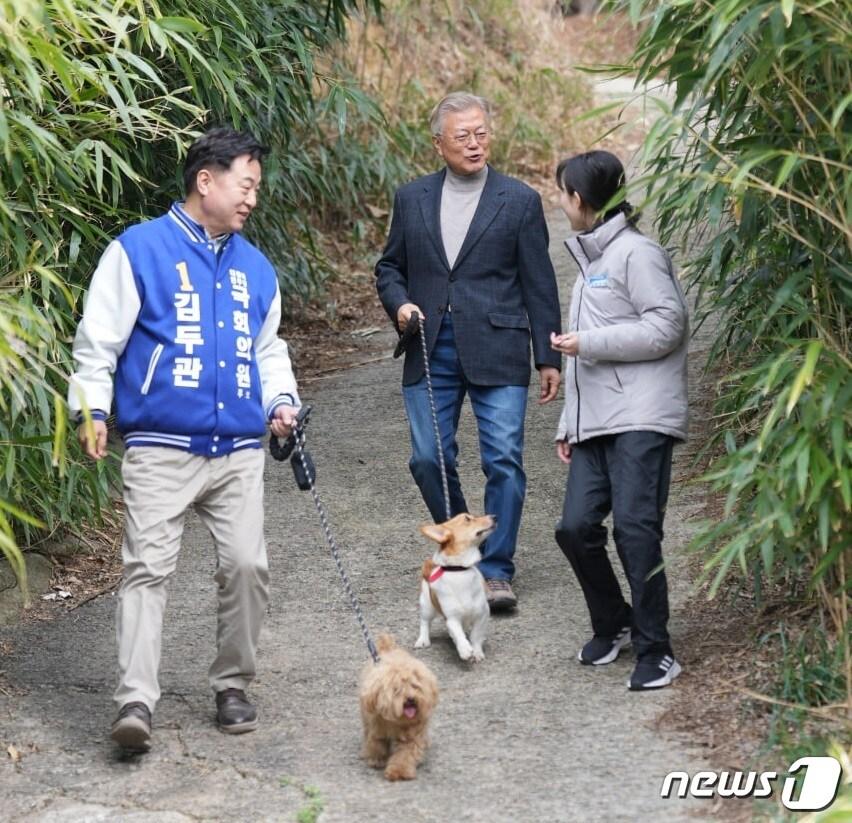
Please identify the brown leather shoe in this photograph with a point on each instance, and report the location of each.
(234, 713)
(499, 595)
(132, 728)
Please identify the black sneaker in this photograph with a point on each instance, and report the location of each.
(132, 728)
(653, 672)
(601, 650)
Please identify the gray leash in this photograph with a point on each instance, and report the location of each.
(431, 395)
(298, 437)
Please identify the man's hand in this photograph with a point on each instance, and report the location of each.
(283, 420)
(566, 343)
(563, 451)
(93, 438)
(404, 312)
(549, 377)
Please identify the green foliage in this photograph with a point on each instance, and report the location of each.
(808, 675)
(310, 812)
(98, 102)
(751, 162)
(314, 808)
(419, 52)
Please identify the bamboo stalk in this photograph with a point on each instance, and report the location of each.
(844, 630)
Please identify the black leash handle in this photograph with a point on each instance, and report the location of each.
(281, 451)
(411, 329)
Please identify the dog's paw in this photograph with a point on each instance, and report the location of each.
(397, 772)
(478, 656)
(465, 652)
(422, 643)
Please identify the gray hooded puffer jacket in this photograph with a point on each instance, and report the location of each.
(632, 319)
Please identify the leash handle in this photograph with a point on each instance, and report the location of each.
(410, 330)
(281, 451)
(431, 394)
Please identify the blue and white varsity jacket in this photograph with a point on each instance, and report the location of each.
(190, 334)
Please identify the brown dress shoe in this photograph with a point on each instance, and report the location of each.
(499, 595)
(234, 713)
(132, 728)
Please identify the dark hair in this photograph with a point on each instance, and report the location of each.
(219, 147)
(598, 177)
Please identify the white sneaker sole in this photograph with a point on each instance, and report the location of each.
(621, 642)
(660, 682)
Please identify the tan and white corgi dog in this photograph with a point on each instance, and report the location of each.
(453, 586)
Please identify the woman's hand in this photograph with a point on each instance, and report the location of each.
(563, 451)
(566, 343)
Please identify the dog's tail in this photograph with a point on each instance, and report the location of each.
(385, 643)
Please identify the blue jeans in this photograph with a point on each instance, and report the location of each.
(499, 412)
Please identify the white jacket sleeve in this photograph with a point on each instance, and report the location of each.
(273, 362)
(110, 310)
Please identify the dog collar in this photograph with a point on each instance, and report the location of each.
(439, 571)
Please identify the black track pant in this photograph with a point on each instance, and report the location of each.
(627, 474)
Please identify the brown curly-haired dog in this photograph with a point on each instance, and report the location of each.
(397, 697)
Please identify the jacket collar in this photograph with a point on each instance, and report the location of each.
(195, 231)
(590, 245)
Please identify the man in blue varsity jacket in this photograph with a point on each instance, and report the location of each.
(180, 328)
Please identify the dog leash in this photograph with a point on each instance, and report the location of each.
(417, 323)
(305, 477)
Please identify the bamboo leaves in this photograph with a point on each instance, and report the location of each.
(754, 160)
(98, 101)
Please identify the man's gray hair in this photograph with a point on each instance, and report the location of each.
(457, 101)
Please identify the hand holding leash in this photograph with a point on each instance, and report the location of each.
(409, 332)
(303, 465)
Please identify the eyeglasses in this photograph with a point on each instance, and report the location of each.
(481, 136)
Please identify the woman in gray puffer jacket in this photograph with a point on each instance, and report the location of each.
(625, 406)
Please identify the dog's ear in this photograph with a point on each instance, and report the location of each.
(436, 532)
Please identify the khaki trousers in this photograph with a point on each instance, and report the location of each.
(160, 484)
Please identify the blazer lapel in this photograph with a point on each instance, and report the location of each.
(430, 207)
(490, 203)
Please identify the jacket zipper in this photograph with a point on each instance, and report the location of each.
(579, 309)
(152, 365)
(576, 369)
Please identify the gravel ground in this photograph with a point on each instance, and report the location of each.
(528, 735)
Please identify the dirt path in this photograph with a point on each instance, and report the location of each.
(529, 735)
